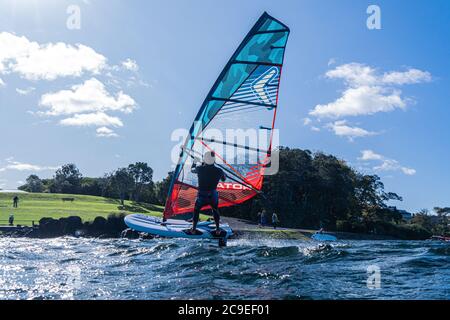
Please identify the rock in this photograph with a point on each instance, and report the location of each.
(130, 234)
(50, 228)
(99, 223)
(145, 236)
(72, 225)
(115, 225)
(97, 228)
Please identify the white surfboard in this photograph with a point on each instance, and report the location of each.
(173, 228)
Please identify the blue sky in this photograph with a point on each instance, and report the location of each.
(378, 99)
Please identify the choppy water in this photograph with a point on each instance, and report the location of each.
(69, 268)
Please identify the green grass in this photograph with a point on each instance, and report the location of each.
(278, 233)
(34, 206)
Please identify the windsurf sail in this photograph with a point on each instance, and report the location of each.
(236, 121)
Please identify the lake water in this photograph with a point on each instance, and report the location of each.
(69, 268)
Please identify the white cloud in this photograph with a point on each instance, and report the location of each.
(88, 104)
(2, 84)
(130, 65)
(105, 132)
(367, 91)
(359, 101)
(409, 77)
(20, 166)
(91, 96)
(98, 119)
(368, 155)
(408, 171)
(49, 61)
(354, 74)
(340, 128)
(307, 121)
(331, 61)
(85, 104)
(386, 164)
(24, 92)
(393, 165)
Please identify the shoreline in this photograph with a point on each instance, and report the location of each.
(245, 228)
(93, 216)
(115, 228)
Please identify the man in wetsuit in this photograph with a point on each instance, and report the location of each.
(208, 178)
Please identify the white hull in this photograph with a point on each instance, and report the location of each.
(174, 228)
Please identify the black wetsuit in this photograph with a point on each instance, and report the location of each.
(208, 179)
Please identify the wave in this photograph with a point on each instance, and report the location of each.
(440, 251)
(267, 252)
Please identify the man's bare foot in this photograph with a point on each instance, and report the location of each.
(191, 231)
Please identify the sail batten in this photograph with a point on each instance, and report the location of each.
(243, 98)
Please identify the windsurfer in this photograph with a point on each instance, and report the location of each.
(209, 177)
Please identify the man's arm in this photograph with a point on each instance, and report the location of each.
(224, 176)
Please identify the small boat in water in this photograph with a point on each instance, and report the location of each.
(439, 238)
(322, 236)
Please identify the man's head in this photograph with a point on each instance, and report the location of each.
(209, 158)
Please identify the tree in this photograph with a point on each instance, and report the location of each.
(423, 219)
(122, 182)
(67, 179)
(142, 176)
(442, 211)
(92, 186)
(442, 225)
(162, 189)
(34, 184)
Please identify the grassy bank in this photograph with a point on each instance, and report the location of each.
(34, 206)
(265, 233)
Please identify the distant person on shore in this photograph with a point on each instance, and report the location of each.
(275, 220)
(11, 219)
(262, 218)
(16, 202)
